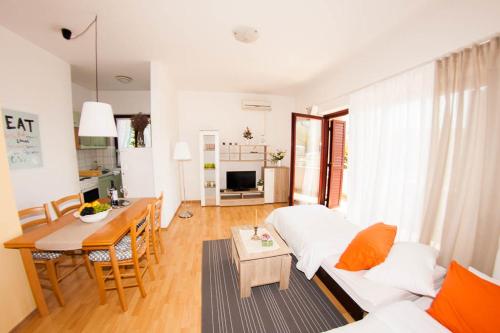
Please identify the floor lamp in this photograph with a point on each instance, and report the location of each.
(182, 154)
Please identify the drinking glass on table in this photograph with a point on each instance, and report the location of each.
(124, 191)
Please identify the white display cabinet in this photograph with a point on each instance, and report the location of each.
(209, 168)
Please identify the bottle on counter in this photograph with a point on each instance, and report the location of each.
(113, 193)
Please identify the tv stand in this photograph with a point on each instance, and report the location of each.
(241, 198)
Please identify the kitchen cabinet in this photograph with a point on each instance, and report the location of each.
(105, 184)
(90, 142)
(76, 119)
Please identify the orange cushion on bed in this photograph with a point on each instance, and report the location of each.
(369, 248)
(467, 303)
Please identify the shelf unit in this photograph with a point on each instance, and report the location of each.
(213, 153)
(209, 168)
(241, 198)
(243, 153)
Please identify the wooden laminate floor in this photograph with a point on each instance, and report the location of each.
(173, 301)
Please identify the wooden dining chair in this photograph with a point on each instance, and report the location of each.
(130, 251)
(67, 204)
(49, 260)
(156, 242)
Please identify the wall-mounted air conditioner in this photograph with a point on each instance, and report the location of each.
(255, 106)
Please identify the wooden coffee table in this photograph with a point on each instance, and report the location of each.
(260, 268)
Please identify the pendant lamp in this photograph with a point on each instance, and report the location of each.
(97, 117)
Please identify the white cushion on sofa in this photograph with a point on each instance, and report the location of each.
(409, 266)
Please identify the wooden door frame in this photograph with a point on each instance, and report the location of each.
(295, 115)
(328, 161)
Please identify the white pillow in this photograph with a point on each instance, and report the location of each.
(409, 266)
(484, 276)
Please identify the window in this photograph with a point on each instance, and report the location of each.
(126, 134)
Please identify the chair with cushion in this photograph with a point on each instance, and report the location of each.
(32, 218)
(131, 250)
(156, 240)
(67, 204)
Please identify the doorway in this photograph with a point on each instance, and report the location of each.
(318, 159)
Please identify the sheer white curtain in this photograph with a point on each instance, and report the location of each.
(126, 133)
(389, 136)
(462, 207)
(123, 128)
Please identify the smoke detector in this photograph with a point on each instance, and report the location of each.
(123, 79)
(246, 34)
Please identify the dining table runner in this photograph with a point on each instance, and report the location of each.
(71, 236)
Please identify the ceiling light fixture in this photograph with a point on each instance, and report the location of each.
(97, 117)
(245, 34)
(123, 79)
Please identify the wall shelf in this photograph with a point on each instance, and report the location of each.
(209, 154)
(244, 153)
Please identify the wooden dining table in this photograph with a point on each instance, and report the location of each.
(102, 239)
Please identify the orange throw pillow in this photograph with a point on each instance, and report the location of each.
(369, 248)
(467, 303)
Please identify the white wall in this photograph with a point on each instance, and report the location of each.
(164, 132)
(80, 94)
(127, 101)
(16, 301)
(33, 80)
(123, 101)
(455, 24)
(222, 111)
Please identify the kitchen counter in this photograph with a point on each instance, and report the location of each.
(111, 172)
(102, 183)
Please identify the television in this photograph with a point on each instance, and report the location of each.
(240, 180)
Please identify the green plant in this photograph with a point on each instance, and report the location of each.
(247, 134)
(278, 155)
(260, 182)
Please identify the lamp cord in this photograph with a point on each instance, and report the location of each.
(96, 75)
(95, 45)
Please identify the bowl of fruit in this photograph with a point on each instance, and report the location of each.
(92, 212)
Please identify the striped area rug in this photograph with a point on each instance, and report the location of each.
(301, 308)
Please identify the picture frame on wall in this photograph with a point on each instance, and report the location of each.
(22, 138)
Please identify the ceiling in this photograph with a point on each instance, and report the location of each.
(298, 39)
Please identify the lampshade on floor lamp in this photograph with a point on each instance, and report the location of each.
(182, 154)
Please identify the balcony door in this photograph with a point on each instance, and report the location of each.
(318, 159)
(307, 158)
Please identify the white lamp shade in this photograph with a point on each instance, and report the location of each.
(181, 152)
(97, 120)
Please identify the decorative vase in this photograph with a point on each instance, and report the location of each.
(260, 188)
(278, 163)
(139, 140)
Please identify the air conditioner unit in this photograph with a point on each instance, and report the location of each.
(256, 106)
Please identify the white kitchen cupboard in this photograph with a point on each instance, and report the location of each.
(209, 168)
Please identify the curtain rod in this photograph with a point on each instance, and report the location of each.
(326, 101)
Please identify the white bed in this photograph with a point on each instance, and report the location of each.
(313, 232)
(318, 236)
(399, 317)
(371, 295)
(403, 316)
